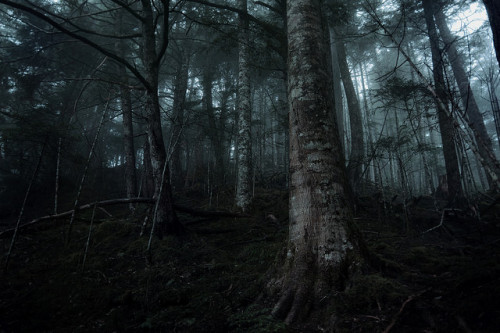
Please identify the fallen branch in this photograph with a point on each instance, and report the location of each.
(393, 322)
(437, 226)
(150, 201)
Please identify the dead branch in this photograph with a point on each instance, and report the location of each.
(393, 321)
(100, 204)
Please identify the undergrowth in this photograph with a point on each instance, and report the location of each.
(214, 278)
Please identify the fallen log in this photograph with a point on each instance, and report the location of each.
(100, 204)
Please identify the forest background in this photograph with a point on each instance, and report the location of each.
(171, 107)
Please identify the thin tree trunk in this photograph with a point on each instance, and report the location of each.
(58, 165)
(128, 139)
(165, 215)
(180, 89)
(337, 88)
(84, 176)
(445, 124)
(475, 118)
(354, 167)
(21, 212)
(244, 150)
(214, 131)
(128, 126)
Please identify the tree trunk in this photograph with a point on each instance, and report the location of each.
(337, 88)
(475, 118)
(180, 88)
(128, 139)
(148, 182)
(445, 124)
(244, 150)
(322, 247)
(354, 167)
(166, 219)
(128, 126)
(215, 132)
(493, 9)
(495, 105)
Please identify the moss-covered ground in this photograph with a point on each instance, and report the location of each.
(213, 279)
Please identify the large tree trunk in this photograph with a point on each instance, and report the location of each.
(322, 248)
(493, 9)
(475, 118)
(355, 164)
(244, 150)
(166, 219)
(445, 124)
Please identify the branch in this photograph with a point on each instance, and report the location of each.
(128, 9)
(84, 40)
(164, 34)
(269, 27)
(271, 8)
(393, 322)
(149, 201)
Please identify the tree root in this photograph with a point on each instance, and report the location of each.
(294, 304)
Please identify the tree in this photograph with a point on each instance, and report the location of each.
(153, 39)
(244, 149)
(475, 118)
(493, 9)
(322, 248)
(128, 126)
(356, 157)
(445, 123)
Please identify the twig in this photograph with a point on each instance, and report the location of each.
(88, 238)
(393, 322)
(82, 181)
(184, 209)
(106, 212)
(437, 226)
(28, 190)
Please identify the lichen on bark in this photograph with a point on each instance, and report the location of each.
(322, 249)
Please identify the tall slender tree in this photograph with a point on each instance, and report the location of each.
(244, 149)
(354, 167)
(445, 124)
(127, 115)
(474, 116)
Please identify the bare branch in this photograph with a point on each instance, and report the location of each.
(84, 40)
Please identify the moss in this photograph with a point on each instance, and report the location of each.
(216, 282)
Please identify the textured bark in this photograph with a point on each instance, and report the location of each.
(128, 126)
(244, 149)
(475, 118)
(180, 88)
(355, 164)
(445, 123)
(166, 218)
(321, 248)
(128, 138)
(148, 186)
(337, 88)
(493, 9)
(495, 106)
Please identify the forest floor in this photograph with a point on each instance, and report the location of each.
(214, 278)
